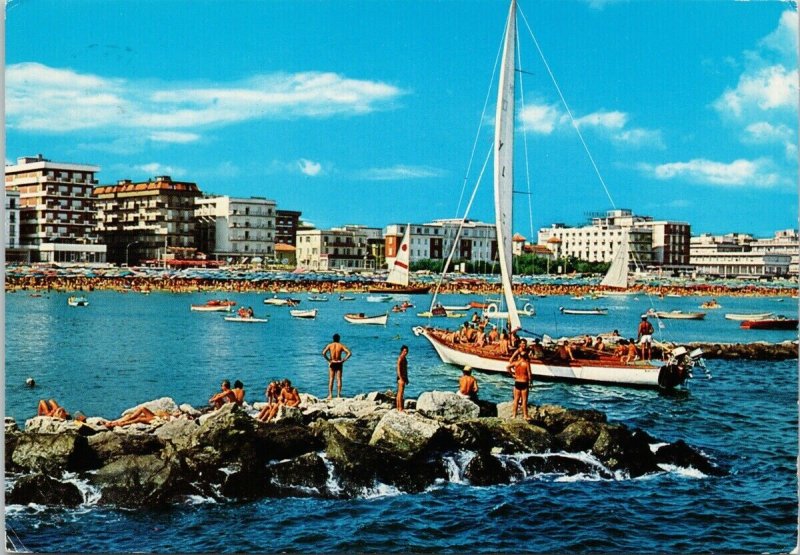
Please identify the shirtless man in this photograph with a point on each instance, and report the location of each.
(402, 376)
(238, 392)
(521, 370)
(333, 354)
(224, 396)
(467, 385)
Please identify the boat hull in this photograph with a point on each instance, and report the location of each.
(401, 290)
(308, 314)
(780, 324)
(379, 320)
(677, 315)
(583, 371)
(743, 317)
(210, 308)
(584, 312)
(246, 320)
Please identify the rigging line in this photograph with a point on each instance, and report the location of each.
(461, 225)
(569, 112)
(525, 140)
(480, 125)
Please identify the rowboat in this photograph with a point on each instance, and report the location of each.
(361, 318)
(379, 298)
(318, 298)
(309, 314)
(248, 320)
(711, 304)
(346, 298)
(78, 301)
(213, 306)
(584, 311)
(277, 301)
(776, 323)
(678, 315)
(744, 316)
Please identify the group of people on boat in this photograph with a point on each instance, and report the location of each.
(245, 312)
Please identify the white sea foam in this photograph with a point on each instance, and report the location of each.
(656, 446)
(330, 484)
(91, 493)
(687, 472)
(199, 500)
(380, 489)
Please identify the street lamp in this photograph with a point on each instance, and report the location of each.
(126, 250)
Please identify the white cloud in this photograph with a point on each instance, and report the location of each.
(308, 167)
(399, 172)
(765, 132)
(607, 120)
(154, 168)
(54, 100)
(638, 137)
(173, 137)
(539, 118)
(768, 88)
(739, 173)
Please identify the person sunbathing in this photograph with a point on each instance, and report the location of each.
(52, 409)
(142, 415)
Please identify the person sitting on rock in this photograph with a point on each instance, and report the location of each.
(289, 397)
(142, 415)
(52, 409)
(238, 392)
(224, 396)
(468, 385)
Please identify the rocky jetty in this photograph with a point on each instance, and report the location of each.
(338, 448)
(758, 350)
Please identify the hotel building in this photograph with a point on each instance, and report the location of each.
(56, 222)
(150, 220)
(434, 241)
(734, 255)
(333, 249)
(237, 230)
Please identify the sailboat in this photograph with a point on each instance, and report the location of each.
(397, 280)
(587, 367)
(616, 278)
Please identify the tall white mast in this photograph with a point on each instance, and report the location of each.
(504, 163)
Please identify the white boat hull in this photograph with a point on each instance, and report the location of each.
(210, 308)
(742, 317)
(309, 314)
(677, 315)
(276, 302)
(379, 320)
(623, 375)
(585, 312)
(246, 320)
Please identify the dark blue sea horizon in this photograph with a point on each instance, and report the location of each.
(124, 349)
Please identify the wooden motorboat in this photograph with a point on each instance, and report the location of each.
(246, 319)
(318, 298)
(776, 323)
(78, 301)
(379, 298)
(213, 306)
(678, 315)
(308, 314)
(584, 311)
(748, 316)
(361, 318)
(278, 301)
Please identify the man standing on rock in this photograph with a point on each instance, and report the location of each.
(333, 354)
(402, 376)
(521, 370)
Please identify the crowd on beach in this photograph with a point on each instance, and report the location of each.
(175, 284)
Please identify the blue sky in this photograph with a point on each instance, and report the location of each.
(367, 112)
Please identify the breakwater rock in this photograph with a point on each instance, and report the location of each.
(340, 448)
(758, 350)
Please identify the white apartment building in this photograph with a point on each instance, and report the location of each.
(785, 241)
(332, 249)
(236, 229)
(434, 241)
(56, 215)
(652, 243)
(733, 256)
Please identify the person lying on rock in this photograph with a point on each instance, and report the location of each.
(225, 396)
(142, 415)
(54, 410)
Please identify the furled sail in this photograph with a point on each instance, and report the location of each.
(504, 163)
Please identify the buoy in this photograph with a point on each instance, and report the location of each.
(30, 382)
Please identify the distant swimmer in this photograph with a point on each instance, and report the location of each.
(333, 354)
(30, 382)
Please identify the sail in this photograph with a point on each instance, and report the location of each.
(617, 275)
(504, 163)
(399, 272)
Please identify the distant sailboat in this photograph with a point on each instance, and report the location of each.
(398, 278)
(616, 277)
(595, 366)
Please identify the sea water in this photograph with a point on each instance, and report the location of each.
(124, 349)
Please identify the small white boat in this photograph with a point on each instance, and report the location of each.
(743, 316)
(456, 308)
(678, 315)
(78, 301)
(379, 298)
(277, 301)
(346, 298)
(213, 306)
(584, 311)
(361, 318)
(309, 314)
(246, 320)
(318, 298)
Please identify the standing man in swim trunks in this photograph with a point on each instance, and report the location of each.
(402, 376)
(521, 370)
(333, 354)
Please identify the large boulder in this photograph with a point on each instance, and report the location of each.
(504, 436)
(579, 436)
(619, 449)
(296, 476)
(228, 431)
(44, 490)
(141, 481)
(680, 454)
(408, 435)
(165, 404)
(343, 408)
(109, 445)
(53, 453)
(554, 418)
(447, 406)
(486, 470)
(177, 431)
(284, 440)
(50, 425)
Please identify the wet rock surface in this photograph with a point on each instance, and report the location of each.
(334, 448)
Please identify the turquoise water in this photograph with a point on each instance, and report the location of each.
(128, 348)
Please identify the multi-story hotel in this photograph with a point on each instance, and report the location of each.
(332, 249)
(237, 230)
(287, 223)
(652, 243)
(150, 220)
(12, 220)
(734, 255)
(785, 241)
(56, 222)
(434, 241)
